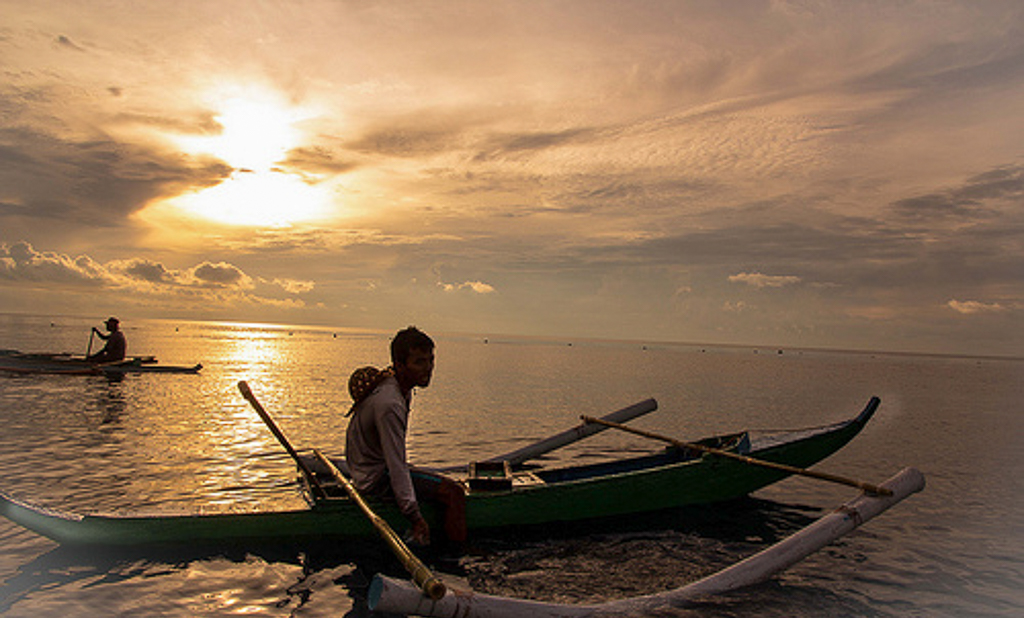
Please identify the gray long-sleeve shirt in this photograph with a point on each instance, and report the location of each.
(375, 445)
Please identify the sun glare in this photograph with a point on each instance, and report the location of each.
(256, 135)
(271, 199)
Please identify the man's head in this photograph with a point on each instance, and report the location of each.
(412, 356)
(112, 324)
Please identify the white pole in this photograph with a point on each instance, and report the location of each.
(575, 434)
(390, 595)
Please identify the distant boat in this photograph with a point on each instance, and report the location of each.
(68, 364)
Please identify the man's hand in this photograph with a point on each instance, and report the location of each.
(420, 532)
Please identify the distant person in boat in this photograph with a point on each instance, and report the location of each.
(116, 346)
(375, 442)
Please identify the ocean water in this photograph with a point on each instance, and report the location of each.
(190, 442)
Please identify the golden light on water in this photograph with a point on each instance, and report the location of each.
(255, 345)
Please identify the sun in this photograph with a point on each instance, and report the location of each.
(257, 132)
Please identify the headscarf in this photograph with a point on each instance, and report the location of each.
(363, 381)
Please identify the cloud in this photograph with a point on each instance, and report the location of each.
(478, 287)
(421, 135)
(759, 280)
(317, 160)
(976, 198)
(142, 283)
(146, 270)
(59, 183)
(533, 141)
(221, 275)
(66, 43)
(294, 286)
(20, 262)
(969, 307)
(23, 263)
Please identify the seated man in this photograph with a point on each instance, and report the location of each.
(116, 345)
(375, 443)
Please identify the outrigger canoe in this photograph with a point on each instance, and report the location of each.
(67, 364)
(674, 477)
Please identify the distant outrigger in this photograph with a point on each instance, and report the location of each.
(14, 361)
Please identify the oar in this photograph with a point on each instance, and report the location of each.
(306, 472)
(575, 434)
(425, 580)
(825, 476)
(88, 351)
(519, 456)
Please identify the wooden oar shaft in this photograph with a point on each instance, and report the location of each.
(825, 476)
(431, 585)
(306, 472)
(569, 436)
(425, 580)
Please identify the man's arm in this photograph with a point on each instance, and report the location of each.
(392, 428)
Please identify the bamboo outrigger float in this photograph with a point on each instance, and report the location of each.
(391, 595)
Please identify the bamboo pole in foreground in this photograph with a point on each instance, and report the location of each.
(425, 580)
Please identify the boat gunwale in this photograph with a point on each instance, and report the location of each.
(809, 433)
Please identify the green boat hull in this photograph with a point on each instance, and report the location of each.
(618, 488)
(704, 480)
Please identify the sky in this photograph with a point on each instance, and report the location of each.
(781, 173)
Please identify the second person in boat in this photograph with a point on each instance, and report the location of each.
(115, 348)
